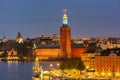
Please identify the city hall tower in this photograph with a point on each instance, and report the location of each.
(65, 37)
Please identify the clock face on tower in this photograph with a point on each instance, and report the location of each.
(64, 21)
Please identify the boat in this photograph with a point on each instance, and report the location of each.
(37, 69)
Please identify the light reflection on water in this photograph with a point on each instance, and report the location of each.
(14, 70)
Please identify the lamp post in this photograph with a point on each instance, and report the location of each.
(50, 67)
(58, 65)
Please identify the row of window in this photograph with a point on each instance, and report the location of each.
(108, 57)
(106, 70)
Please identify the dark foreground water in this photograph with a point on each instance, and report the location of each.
(19, 70)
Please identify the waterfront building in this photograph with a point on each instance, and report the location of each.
(63, 50)
(12, 55)
(47, 51)
(53, 51)
(1, 52)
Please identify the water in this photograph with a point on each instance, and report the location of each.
(19, 70)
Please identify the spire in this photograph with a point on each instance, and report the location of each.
(65, 18)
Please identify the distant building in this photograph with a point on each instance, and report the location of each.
(4, 39)
(12, 55)
(110, 45)
(12, 52)
(19, 38)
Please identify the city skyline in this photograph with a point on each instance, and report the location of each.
(90, 18)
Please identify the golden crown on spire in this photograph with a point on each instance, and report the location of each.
(65, 14)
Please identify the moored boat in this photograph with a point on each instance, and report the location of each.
(37, 69)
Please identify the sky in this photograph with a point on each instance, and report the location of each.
(87, 18)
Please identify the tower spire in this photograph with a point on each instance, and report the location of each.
(65, 18)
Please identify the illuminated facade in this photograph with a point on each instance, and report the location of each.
(88, 60)
(47, 52)
(64, 50)
(108, 65)
(65, 37)
(103, 65)
(76, 51)
(12, 55)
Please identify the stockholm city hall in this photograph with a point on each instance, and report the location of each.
(65, 49)
(65, 37)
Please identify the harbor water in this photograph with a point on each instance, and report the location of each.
(14, 70)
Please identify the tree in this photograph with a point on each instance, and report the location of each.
(24, 50)
(72, 63)
(4, 55)
(91, 48)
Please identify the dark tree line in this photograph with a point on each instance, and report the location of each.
(91, 48)
(23, 49)
(72, 63)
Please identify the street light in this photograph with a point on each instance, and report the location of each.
(103, 74)
(109, 74)
(58, 65)
(117, 74)
(51, 66)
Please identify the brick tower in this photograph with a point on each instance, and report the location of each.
(65, 37)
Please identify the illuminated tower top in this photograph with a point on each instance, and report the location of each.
(65, 18)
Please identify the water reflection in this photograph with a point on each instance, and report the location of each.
(14, 70)
(12, 65)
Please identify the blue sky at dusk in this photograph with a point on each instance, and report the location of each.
(33, 18)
